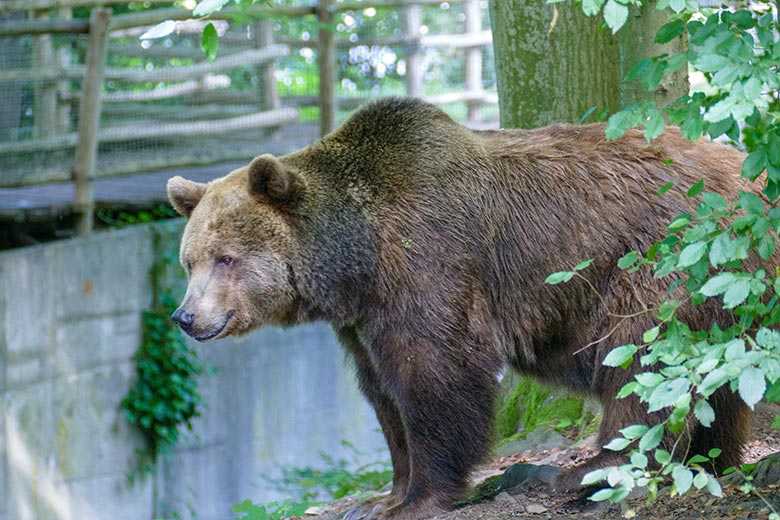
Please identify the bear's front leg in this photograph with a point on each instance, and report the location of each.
(389, 419)
(445, 393)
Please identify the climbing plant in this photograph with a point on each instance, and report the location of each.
(164, 397)
(726, 249)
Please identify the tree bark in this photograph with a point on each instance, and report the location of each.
(553, 63)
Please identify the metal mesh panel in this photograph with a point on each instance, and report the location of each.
(163, 105)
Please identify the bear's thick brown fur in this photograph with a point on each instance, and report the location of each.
(426, 246)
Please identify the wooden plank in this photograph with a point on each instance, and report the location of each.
(44, 95)
(143, 19)
(411, 19)
(190, 128)
(19, 179)
(326, 60)
(49, 26)
(473, 56)
(464, 95)
(208, 82)
(390, 4)
(89, 120)
(146, 131)
(8, 6)
(168, 74)
(457, 41)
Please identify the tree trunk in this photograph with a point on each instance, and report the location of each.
(637, 43)
(553, 63)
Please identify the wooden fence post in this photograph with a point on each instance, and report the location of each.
(412, 22)
(266, 73)
(63, 87)
(89, 119)
(45, 100)
(473, 57)
(327, 66)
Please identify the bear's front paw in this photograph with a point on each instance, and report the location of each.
(370, 509)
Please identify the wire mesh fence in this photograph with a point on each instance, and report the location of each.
(164, 105)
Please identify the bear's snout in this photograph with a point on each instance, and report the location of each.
(184, 319)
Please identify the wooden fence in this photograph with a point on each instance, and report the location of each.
(53, 78)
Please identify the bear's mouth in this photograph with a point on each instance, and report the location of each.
(216, 332)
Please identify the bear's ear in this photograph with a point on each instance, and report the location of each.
(184, 195)
(270, 179)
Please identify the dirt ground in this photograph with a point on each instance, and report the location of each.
(539, 503)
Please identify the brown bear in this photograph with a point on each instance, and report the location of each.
(426, 246)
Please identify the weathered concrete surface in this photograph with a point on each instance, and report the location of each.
(69, 325)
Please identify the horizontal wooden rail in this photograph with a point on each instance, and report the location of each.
(142, 19)
(153, 131)
(249, 57)
(9, 6)
(457, 41)
(194, 158)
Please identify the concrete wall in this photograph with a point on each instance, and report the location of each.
(69, 325)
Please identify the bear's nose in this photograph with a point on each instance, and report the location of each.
(184, 319)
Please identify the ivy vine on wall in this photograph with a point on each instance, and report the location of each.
(165, 395)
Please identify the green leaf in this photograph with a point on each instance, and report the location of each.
(206, 7)
(752, 385)
(650, 335)
(704, 412)
(714, 453)
(766, 246)
(691, 254)
(160, 30)
(720, 111)
(696, 188)
(715, 201)
(634, 432)
(560, 276)
(583, 265)
(714, 488)
(592, 7)
(209, 41)
(652, 438)
(620, 355)
(683, 479)
(718, 284)
(662, 456)
(597, 475)
(615, 15)
(669, 31)
(667, 310)
(751, 202)
(679, 223)
(736, 294)
(666, 187)
(693, 126)
(713, 381)
(677, 5)
(649, 379)
(654, 125)
(700, 480)
(620, 122)
(618, 444)
(628, 260)
(667, 393)
(754, 164)
(601, 495)
(628, 389)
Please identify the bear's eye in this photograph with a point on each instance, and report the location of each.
(226, 260)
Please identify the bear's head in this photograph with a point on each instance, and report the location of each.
(237, 249)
